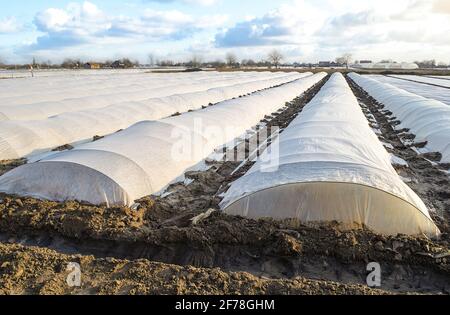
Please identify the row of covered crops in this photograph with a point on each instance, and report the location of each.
(427, 119)
(40, 104)
(330, 166)
(33, 136)
(141, 160)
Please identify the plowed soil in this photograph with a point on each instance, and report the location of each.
(182, 244)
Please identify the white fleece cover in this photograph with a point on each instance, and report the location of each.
(331, 167)
(142, 159)
(44, 105)
(428, 119)
(440, 94)
(29, 138)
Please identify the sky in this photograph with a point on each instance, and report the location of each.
(302, 30)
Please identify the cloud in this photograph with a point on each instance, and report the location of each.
(326, 29)
(86, 24)
(441, 6)
(257, 32)
(9, 25)
(303, 30)
(286, 25)
(198, 2)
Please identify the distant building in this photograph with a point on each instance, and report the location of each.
(324, 64)
(365, 61)
(329, 64)
(90, 65)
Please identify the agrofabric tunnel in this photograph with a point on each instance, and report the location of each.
(331, 167)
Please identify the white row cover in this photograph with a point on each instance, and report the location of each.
(21, 92)
(148, 156)
(428, 119)
(442, 77)
(422, 79)
(330, 167)
(24, 138)
(429, 91)
(53, 73)
(387, 65)
(161, 88)
(28, 92)
(32, 85)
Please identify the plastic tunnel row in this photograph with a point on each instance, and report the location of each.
(158, 88)
(428, 91)
(328, 165)
(427, 119)
(20, 92)
(24, 138)
(31, 92)
(423, 79)
(146, 157)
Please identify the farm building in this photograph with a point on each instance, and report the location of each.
(90, 65)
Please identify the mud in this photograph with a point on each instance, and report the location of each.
(28, 270)
(216, 253)
(63, 148)
(7, 165)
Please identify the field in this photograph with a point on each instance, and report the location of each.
(240, 182)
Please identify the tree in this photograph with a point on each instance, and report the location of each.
(71, 63)
(231, 59)
(151, 59)
(426, 63)
(196, 61)
(275, 58)
(166, 63)
(340, 60)
(128, 63)
(345, 59)
(249, 62)
(218, 63)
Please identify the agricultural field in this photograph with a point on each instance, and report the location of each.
(239, 182)
(437, 91)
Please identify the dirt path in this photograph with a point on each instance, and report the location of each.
(295, 257)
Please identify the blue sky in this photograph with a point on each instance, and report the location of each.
(303, 30)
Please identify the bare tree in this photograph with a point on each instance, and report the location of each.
(340, 60)
(231, 59)
(426, 64)
(166, 63)
(151, 59)
(275, 58)
(346, 59)
(196, 61)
